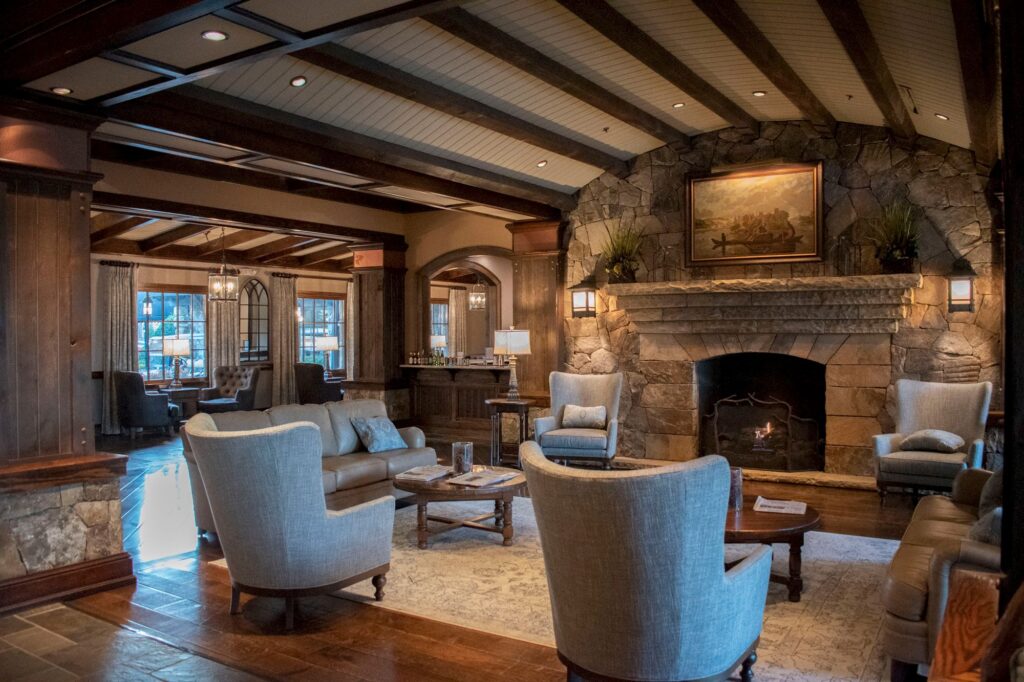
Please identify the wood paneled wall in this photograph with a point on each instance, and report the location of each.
(45, 361)
(537, 306)
(380, 324)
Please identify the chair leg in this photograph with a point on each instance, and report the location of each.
(606, 465)
(379, 581)
(235, 598)
(746, 670)
(882, 490)
(289, 613)
(900, 671)
(572, 676)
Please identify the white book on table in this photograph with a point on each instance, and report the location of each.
(430, 472)
(482, 479)
(780, 506)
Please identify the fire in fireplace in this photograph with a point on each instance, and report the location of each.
(763, 410)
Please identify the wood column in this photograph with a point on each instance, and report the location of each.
(1012, 57)
(537, 300)
(45, 318)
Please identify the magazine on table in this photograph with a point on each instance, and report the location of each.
(431, 472)
(780, 506)
(482, 479)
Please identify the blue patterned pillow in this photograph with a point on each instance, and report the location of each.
(378, 434)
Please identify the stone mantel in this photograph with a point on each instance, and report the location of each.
(868, 304)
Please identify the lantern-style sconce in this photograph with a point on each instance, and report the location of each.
(147, 306)
(222, 285)
(584, 298)
(961, 287)
(478, 296)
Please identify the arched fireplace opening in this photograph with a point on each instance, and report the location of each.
(763, 411)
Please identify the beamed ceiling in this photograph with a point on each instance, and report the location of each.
(499, 107)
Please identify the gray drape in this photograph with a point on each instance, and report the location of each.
(284, 336)
(223, 335)
(458, 309)
(117, 291)
(350, 330)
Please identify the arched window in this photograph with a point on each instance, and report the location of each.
(254, 322)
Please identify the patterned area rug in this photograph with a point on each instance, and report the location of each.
(468, 578)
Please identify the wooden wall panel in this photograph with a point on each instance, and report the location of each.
(537, 306)
(381, 324)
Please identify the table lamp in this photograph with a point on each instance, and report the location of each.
(438, 344)
(177, 349)
(327, 344)
(512, 342)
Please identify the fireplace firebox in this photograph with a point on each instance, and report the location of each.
(763, 411)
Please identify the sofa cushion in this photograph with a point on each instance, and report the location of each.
(289, 414)
(905, 591)
(940, 508)
(575, 439)
(354, 470)
(933, 440)
(922, 463)
(398, 461)
(991, 494)
(341, 413)
(931, 533)
(377, 434)
(242, 421)
(330, 481)
(989, 528)
(576, 417)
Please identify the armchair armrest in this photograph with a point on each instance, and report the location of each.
(362, 532)
(887, 443)
(975, 454)
(968, 484)
(209, 393)
(950, 555)
(613, 437)
(245, 397)
(745, 594)
(413, 436)
(542, 425)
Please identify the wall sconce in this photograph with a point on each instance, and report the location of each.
(584, 298)
(147, 306)
(961, 287)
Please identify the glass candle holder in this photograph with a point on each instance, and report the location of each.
(735, 488)
(462, 457)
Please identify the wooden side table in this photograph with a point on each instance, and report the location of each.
(186, 396)
(498, 407)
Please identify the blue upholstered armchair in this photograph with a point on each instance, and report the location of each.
(635, 562)
(565, 442)
(139, 409)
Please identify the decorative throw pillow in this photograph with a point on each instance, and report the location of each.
(933, 440)
(988, 528)
(576, 417)
(991, 495)
(378, 434)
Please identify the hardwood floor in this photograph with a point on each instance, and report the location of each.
(182, 599)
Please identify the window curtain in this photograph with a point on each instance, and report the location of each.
(284, 336)
(223, 335)
(458, 308)
(350, 331)
(118, 285)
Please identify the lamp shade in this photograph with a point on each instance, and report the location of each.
(177, 347)
(511, 342)
(438, 341)
(325, 343)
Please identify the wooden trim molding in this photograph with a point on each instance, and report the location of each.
(67, 582)
(47, 472)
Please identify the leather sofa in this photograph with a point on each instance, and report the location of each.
(917, 582)
(350, 474)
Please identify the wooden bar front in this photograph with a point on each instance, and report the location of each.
(454, 395)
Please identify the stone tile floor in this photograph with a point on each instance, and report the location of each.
(55, 643)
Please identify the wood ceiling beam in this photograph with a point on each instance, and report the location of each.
(744, 34)
(285, 41)
(127, 247)
(221, 217)
(356, 66)
(118, 225)
(975, 40)
(851, 27)
(220, 170)
(607, 21)
(98, 28)
(229, 241)
(170, 237)
(211, 116)
(279, 248)
(323, 255)
(492, 40)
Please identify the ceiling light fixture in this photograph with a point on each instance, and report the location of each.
(215, 36)
(759, 93)
(298, 81)
(58, 90)
(678, 105)
(942, 117)
(541, 164)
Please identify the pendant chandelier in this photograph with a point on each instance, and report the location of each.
(223, 283)
(478, 296)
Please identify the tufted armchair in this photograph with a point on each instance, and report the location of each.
(234, 388)
(312, 387)
(139, 409)
(635, 563)
(958, 408)
(583, 390)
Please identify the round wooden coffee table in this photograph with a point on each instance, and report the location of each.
(746, 526)
(440, 490)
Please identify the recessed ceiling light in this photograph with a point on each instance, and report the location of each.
(215, 36)
(942, 117)
(759, 93)
(298, 81)
(678, 105)
(541, 164)
(58, 90)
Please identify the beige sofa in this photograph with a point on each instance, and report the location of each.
(917, 583)
(350, 474)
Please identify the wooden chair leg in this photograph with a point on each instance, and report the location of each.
(746, 670)
(882, 490)
(900, 671)
(379, 581)
(606, 465)
(289, 613)
(235, 598)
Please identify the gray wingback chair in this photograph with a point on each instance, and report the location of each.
(265, 489)
(311, 386)
(635, 562)
(958, 408)
(234, 388)
(584, 390)
(139, 409)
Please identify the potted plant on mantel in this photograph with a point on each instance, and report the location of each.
(622, 254)
(894, 235)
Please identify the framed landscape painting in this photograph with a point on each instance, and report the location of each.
(763, 214)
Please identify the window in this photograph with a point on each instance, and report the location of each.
(254, 322)
(439, 319)
(322, 317)
(165, 315)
